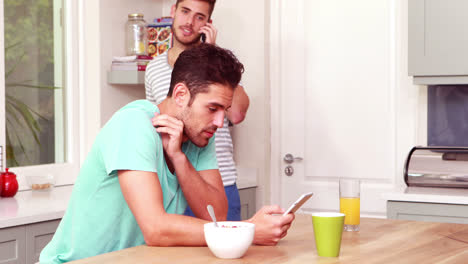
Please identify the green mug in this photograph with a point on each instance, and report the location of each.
(328, 228)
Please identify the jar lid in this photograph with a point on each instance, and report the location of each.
(135, 15)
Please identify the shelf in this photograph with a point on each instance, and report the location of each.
(126, 77)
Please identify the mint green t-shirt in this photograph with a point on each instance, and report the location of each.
(97, 219)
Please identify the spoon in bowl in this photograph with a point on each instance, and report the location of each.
(212, 214)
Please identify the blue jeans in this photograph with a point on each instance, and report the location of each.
(234, 210)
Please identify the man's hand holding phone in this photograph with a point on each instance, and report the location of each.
(270, 225)
(210, 33)
(298, 203)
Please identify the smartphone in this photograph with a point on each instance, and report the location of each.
(297, 204)
(203, 37)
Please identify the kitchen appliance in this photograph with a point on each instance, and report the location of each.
(437, 167)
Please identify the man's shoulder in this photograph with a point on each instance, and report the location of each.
(132, 123)
(139, 111)
(158, 78)
(160, 62)
(140, 105)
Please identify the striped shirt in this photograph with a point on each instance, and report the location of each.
(157, 81)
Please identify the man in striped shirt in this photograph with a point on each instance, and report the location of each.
(191, 18)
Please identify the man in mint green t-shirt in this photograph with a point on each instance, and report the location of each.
(148, 162)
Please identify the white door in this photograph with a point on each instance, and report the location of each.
(333, 92)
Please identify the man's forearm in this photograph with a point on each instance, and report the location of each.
(159, 228)
(176, 230)
(201, 190)
(240, 104)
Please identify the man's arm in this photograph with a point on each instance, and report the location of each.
(199, 188)
(144, 197)
(270, 225)
(240, 103)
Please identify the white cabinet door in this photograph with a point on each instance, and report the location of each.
(438, 38)
(38, 235)
(12, 245)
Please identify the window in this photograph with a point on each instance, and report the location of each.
(40, 105)
(33, 83)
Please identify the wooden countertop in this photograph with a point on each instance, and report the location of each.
(379, 241)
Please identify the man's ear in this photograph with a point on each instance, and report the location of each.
(173, 8)
(181, 94)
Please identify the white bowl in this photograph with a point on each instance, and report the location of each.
(229, 240)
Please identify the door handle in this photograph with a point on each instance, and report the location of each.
(289, 158)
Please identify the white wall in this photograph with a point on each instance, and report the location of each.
(112, 27)
(411, 100)
(90, 75)
(242, 29)
(102, 36)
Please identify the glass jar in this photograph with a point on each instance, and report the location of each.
(135, 34)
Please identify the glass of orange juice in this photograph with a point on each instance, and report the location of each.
(350, 203)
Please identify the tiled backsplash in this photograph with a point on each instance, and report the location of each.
(447, 115)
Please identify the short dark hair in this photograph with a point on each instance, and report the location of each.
(210, 2)
(204, 64)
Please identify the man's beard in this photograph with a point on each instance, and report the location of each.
(186, 43)
(195, 137)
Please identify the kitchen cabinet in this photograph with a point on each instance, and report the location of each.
(431, 212)
(24, 243)
(248, 201)
(13, 245)
(438, 41)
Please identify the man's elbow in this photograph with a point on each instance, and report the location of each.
(157, 237)
(237, 117)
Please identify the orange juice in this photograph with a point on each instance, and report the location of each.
(351, 208)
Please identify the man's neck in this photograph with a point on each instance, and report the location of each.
(165, 107)
(174, 52)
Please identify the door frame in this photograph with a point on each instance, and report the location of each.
(276, 12)
(281, 35)
(2, 87)
(274, 73)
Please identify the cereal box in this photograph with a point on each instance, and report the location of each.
(159, 36)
